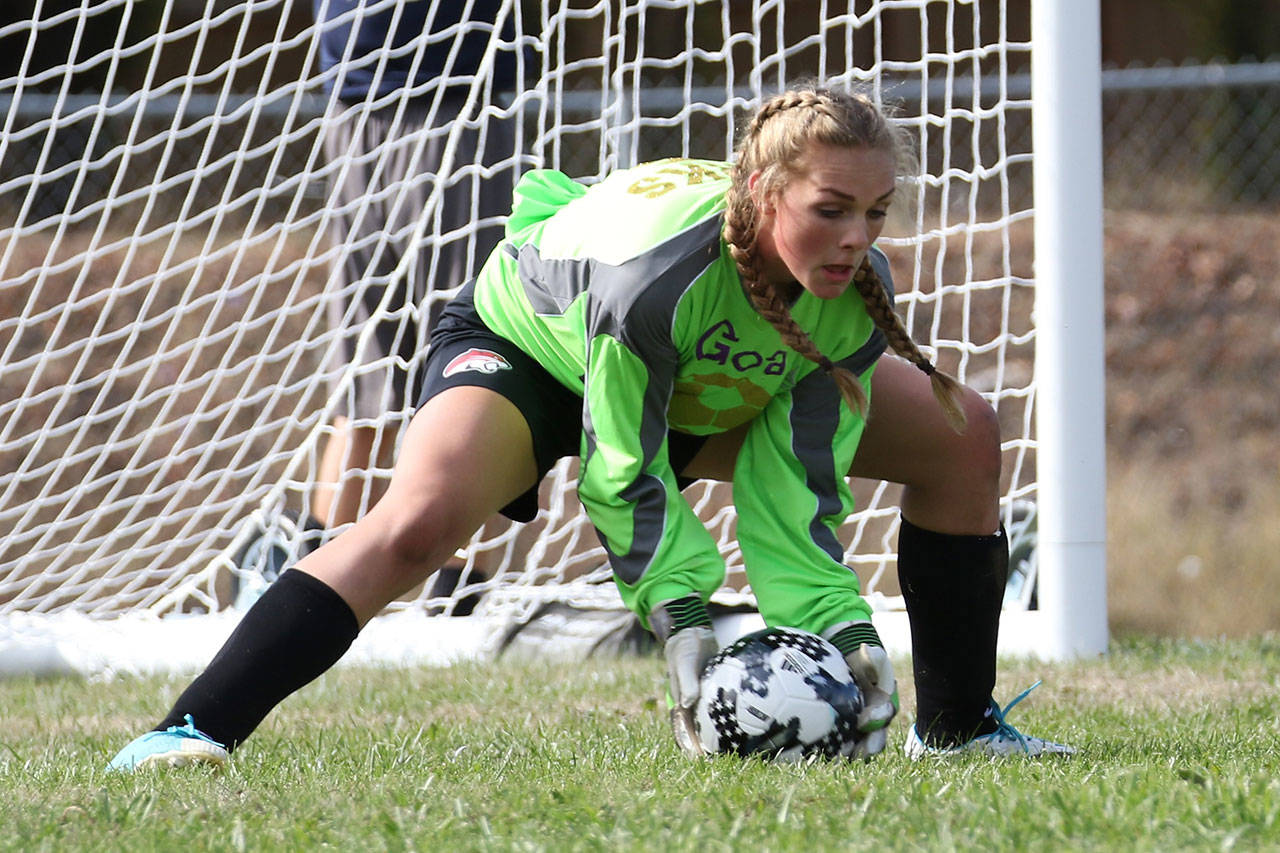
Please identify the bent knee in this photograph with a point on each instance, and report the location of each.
(969, 460)
(424, 534)
(980, 454)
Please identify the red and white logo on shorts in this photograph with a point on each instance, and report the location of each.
(479, 360)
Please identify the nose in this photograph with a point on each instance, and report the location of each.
(857, 236)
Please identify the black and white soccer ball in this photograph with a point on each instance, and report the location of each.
(779, 693)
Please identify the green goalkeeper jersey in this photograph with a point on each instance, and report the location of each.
(625, 291)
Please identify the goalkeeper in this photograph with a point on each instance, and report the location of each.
(681, 319)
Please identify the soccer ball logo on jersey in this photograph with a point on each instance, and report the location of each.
(478, 360)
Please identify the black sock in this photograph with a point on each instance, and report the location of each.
(953, 587)
(293, 633)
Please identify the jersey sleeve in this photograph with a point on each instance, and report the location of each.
(657, 547)
(792, 495)
(539, 195)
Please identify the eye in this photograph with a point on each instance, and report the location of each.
(831, 212)
(877, 213)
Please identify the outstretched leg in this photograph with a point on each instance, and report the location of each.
(466, 454)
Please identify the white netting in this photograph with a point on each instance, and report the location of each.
(167, 366)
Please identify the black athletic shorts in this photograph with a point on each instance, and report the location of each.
(464, 351)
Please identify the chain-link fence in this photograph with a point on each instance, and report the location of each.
(1175, 138)
(1192, 137)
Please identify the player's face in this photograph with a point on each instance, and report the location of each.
(817, 229)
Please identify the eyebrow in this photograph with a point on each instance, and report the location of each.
(844, 195)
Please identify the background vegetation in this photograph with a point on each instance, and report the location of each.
(1192, 423)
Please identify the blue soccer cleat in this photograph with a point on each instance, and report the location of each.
(176, 746)
(1004, 741)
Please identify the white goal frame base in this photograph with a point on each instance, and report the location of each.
(43, 645)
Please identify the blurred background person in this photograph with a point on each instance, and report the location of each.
(398, 79)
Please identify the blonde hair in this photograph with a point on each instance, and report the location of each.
(773, 144)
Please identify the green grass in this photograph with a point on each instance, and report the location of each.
(1180, 750)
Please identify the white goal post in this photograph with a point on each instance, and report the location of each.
(169, 371)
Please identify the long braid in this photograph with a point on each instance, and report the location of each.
(842, 120)
(876, 298)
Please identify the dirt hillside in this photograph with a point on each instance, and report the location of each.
(1193, 422)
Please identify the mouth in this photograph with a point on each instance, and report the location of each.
(838, 272)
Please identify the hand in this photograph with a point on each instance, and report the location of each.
(874, 674)
(687, 652)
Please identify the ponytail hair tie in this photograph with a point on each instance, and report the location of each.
(927, 368)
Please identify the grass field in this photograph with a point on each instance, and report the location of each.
(1179, 740)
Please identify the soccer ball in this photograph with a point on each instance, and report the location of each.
(778, 693)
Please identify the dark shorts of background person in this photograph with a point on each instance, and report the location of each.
(387, 166)
(553, 412)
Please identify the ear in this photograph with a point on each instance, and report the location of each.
(765, 205)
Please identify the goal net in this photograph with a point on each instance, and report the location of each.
(176, 317)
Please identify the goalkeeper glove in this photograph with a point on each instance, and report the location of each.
(873, 673)
(684, 627)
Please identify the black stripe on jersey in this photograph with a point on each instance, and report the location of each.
(635, 303)
(815, 414)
